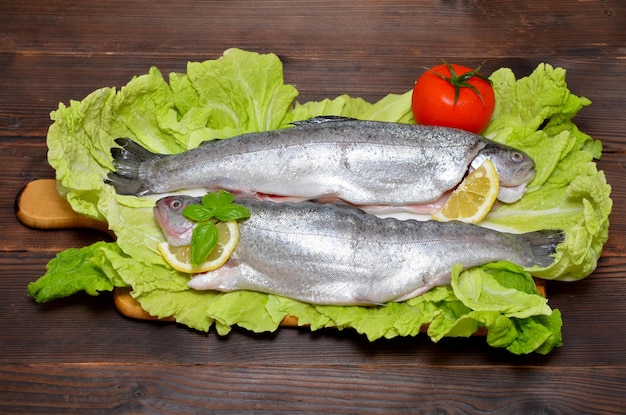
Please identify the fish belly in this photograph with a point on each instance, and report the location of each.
(374, 163)
(324, 254)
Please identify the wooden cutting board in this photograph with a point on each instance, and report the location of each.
(39, 205)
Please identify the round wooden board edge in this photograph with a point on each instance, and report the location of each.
(131, 308)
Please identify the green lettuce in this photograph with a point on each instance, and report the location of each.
(569, 193)
(245, 92)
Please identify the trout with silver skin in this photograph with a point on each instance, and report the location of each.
(369, 164)
(340, 255)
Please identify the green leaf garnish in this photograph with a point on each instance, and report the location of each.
(198, 213)
(221, 203)
(203, 242)
(216, 207)
(232, 212)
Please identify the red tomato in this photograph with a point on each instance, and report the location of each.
(462, 98)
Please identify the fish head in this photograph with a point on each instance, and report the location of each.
(168, 212)
(515, 169)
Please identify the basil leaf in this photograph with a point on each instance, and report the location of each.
(232, 212)
(198, 213)
(221, 205)
(203, 242)
(217, 199)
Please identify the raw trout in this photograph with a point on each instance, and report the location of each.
(363, 163)
(339, 255)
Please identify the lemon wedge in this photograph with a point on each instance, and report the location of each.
(473, 198)
(179, 257)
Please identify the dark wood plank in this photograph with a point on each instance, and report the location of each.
(592, 335)
(377, 47)
(28, 100)
(320, 388)
(24, 161)
(328, 29)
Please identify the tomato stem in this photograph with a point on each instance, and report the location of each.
(462, 81)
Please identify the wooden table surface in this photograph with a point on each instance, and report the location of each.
(79, 355)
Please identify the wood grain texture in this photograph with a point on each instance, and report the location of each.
(80, 355)
(312, 389)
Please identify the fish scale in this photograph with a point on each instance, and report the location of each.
(362, 163)
(340, 255)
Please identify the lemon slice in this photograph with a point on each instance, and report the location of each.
(473, 199)
(179, 257)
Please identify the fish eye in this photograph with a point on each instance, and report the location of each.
(517, 157)
(175, 204)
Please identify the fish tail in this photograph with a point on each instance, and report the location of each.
(128, 160)
(543, 245)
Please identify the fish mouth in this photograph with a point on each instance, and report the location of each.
(160, 217)
(523, 176)
(514, 190)
(177, 233)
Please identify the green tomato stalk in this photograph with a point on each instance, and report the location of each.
(462, 81)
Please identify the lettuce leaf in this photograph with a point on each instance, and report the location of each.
(243, 92)
(568, 193)
(86, 269)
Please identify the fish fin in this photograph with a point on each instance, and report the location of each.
(128, 159)
(365, 300)
(442, 279)
(512, 194)
(543, 245)
(278, 198)
(124, 185)
(323, 119)
(369, 303)
(222, 279)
